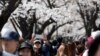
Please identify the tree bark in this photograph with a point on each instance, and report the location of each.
(13, 4)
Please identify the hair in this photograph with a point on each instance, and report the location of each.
(59, 39)
(94, 46)
(80, 48)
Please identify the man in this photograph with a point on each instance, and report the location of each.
(9, 42)
(25, 49)
(46, 46)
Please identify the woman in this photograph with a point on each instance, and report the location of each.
(61, 51)
(94, 49)
(37, 47)
(25, 49)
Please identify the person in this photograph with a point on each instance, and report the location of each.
(0, 45)
(54, 47)
(9, 42)
(94, 49)
(60, 51)
(46, 47)
(59, 40)
(25, 49)
(90, 40)
(37, 43)
(88, 43)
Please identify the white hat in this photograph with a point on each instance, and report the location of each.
(95, 34)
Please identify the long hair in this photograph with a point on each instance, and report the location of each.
(94, 46)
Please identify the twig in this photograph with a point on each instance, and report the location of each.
(14, 26)
(16, 23)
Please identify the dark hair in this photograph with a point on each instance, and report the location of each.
(64, 41)
(80, 48)
(94, 46)
(54, 42)
(59, 39)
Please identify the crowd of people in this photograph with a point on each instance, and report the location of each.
(11, 44)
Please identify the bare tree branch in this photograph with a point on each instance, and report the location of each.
(13, 4)
(49, 3)
(54, 28)
(89, 16)
(47, 23)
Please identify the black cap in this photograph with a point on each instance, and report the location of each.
(25, 45)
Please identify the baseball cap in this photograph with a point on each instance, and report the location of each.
(9, 34)
(37, 40)
(25, 45)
